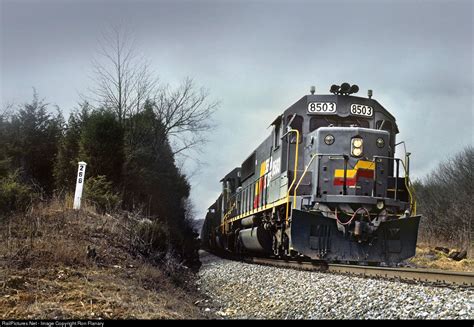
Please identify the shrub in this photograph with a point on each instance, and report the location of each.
(99, 192)
(14, 195)
(151, 237)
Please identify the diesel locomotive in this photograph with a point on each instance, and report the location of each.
(324, 185)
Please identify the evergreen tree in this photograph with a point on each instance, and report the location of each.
(153, 182)
(101, 146)
(33, 135)
(65, 167)
(151, 176)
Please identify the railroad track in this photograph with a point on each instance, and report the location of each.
(438, 277)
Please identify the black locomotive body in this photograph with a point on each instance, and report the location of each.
(325, 185)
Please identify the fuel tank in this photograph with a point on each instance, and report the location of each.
(256, 239)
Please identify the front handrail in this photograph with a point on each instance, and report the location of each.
(294, 175)
(345, 157)
(333, 156)
(314, 155)
(408, 186)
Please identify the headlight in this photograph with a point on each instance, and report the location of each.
(357, 152)
(356, 146)
(357, 143)
(380, 204)
(329, 139)
(380, 142)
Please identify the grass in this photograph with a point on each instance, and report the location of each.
(427, 257)
(45, 272)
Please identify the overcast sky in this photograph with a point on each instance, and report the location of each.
(257, 58)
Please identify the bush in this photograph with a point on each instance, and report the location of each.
(151, 237)
(445, 199)
(14, 195)
(99, 192)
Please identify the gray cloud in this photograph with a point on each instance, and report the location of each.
(258, 57)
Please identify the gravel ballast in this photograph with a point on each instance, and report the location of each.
(250, 291)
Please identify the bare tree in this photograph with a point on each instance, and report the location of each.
(6, 110)
(123, 81)
(185, 113)
(445, 199)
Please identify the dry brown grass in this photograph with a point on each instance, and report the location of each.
(45, 272)
(427, 257)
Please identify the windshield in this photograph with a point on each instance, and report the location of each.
(317, 122)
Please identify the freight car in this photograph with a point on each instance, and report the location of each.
(325, 185)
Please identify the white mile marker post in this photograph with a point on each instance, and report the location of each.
(81, 172)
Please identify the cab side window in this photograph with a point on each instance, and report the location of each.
(277, 139)
(384, 125)
(296, 123)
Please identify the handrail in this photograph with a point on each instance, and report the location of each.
(314, 155)
(410, 190)
(226, 215)
(230, 210)
(294, 173)
(238, 196)
(406, 165)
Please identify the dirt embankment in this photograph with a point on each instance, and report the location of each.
(61, 264)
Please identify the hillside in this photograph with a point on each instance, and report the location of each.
(56, 263)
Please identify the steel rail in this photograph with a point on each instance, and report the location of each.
(438, 277)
